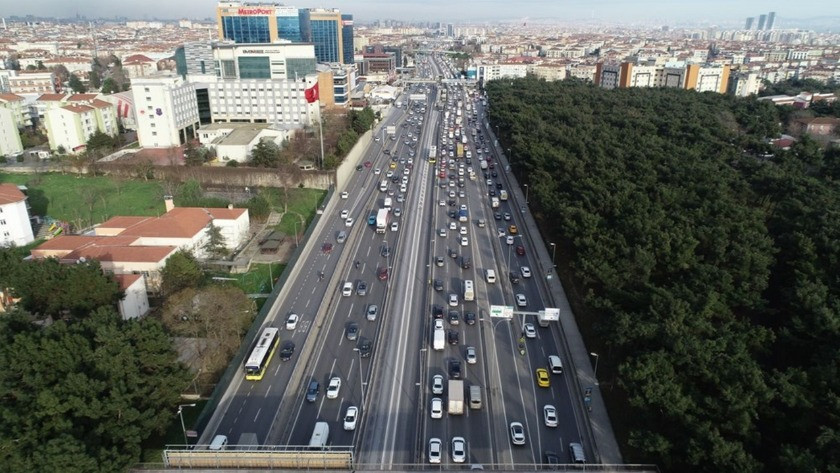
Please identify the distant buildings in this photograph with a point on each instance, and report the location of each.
(765, 22)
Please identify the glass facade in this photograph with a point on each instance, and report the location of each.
(254, 67)
(246, 29)
(325, 37)
(299, 67)
(347, 38)
(288, 27)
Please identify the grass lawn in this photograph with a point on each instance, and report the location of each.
(302, 203)
(83, 201)
(174, 435)
(257, 280)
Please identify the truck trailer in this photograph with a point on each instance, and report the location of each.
(381, 220)
(438, 342)
(456, 397)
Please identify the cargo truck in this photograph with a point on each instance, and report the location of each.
(432, 154)
(456, 397)
(381, 220)
(437, 341)
(460, 151)
(494, 202)
(546, 316)
(482, 163)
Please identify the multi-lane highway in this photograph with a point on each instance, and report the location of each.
(411, 271)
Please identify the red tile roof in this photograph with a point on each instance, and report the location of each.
(122, 222)
(11, 97)
(128, 254)
(126, 280)
(51, 97)
(77, 108)
(180, 222)
(226, 214)
(74, 242)
(137, 58)
(81, 97)
(10, 194)
(96, 103)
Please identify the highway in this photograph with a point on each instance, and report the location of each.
(392, 387)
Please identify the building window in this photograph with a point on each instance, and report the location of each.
(154, 133)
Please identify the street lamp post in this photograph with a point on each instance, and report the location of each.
(181, 415)
(596, 366)
(553, 254)
(526, 192)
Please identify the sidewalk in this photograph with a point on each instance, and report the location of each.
(599, 428)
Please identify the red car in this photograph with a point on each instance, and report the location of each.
(367, 164)
(382, 273)
(520, 250)
(327, 248)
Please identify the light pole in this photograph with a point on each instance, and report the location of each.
(296, 236)
(553, 254)
(526, 192)
(596, 366)
(181, 415)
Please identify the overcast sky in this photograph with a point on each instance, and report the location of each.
(711, 11)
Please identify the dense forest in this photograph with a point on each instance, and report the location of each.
(708, 266)
(80, 388)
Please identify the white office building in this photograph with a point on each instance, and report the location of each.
(15, 229)
(166, 110)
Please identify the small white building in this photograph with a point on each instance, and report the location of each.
(235, 141)
(15, 228)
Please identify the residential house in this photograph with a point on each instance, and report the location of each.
(15, 228)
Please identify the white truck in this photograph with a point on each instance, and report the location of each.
(381, 220)
(432, 153)
(391, 130)
(482, 163)
(494, 202)
(456, 397)
(320, 436)
(548, 315)
(437, 340)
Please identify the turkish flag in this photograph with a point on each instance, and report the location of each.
(312, 93)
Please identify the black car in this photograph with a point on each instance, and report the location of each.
(287, 350)
(352, 331)
(453, 214)
(469, 317)
(365, 347)
(498, 185)
(497, 215)
(312, 391)
(437, 311)
(453, 317)
(438, 285)
(359, 167)
(466, 262)
(494, 174)
(451, 202)
(492, 192)
(385, 252)
(453, 336)
(514, 277)
(454, 369)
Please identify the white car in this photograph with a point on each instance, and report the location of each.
(509, 240)
(333, 388)
(459, 449)
(437, 381)
(345, 195)
(291, 321)
(526, 271)
(377, 171)
(347, 289)
(453, 226)
(437, 408)
(517, 433)
(435, 450)
(550, 415)
(471, 356)
(463, 231)
(530, 331)
(397, 212)
(442, 203)
(389, 173)
(453, 300)
(345, 214)
(395, 226)
(442, 232)
(351, 416)
(406, 172)
(438, 325)
(464, 241)
(521, 301)
(348, 222)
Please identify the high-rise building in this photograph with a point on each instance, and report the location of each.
(450, 30)
(771, 19)
(322, 28)
(288, 24)
(167, 110)
(347, 38)
(762, 19)
(749, 23)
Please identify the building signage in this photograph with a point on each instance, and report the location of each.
(253, 51)
(255, 11)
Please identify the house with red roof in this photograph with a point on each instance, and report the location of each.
(15, 228)
(139, 65)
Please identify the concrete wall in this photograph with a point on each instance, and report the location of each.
(353, 159)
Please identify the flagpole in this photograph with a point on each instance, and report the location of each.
(321, 129)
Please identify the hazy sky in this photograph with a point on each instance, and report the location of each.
(712, 11)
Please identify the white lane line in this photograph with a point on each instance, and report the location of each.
(257, 415)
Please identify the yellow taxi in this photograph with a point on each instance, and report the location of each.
(393, 165)
(543, 380)
(512, 229)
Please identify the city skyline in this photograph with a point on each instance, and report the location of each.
(711, 11)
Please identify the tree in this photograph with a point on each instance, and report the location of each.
(76, 84)
(193, 155)
(101, 141)
(181, 271)
(95, 80)
(61, 73)
(265, 154)
(110, 86)
(215, 245)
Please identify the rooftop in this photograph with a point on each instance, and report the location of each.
(10, 194)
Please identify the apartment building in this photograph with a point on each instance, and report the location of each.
(166, 110)
(70, 126)
(15, 228)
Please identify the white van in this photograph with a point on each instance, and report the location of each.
(555, 364)
(576, 453)
(490, 275)
(219, 442)
(475, 397)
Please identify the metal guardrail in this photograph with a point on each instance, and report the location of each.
(336, 458)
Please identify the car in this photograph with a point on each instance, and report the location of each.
(453, 337)
(345, 195)
(442, 203)
(469, 318)
(312, 391)
(372, 311)
(509, 240)
(389, 174)
(400, 198)
(529, 330)
(333, 388)
(382, 273)
(376, 138)
(442, 232)
(520, 250)
(347, 289)
(326, 248)
(517, 433)
(514, 277)
(437, 312)
(459, 450)
(439, 260)
(351, 416)
(513, 230)
(345, 213)
(438, 324)
(359, 167)
(494, 173)
(543, 380)
(291, 321)
(437, 408)
(526, 271)
(453, 300)
(499, 185)
(481, 223)
(368, 163)
(385, 251)
(453, 318)
(471, 356)
(550, 415)
(351, 332)
(365, 347)
(438, 285)
(393, 165)
(348, 222)
(361, 288)
(372, 220)
(507, 217)
(452, 214)
(497, 215)
(454, 369)
(395, 226)
(397, 212)
(287, 350)
(465, 241)
(377, 171)
(521, 301)
(462, 230)
(437, 384)
(342, 237)
(435, 450)
(453, 226)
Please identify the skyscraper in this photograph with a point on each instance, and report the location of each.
(761, 20)
(288, 23)
(771, 18)
(749, 23)
(323, 28)
(347, 38)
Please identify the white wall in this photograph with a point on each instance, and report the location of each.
(136, 301)
(15, 228)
